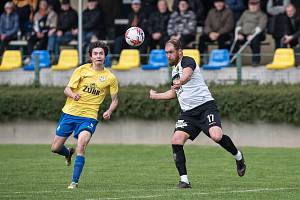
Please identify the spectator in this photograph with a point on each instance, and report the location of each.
(196, 6)
(149, 7)
(237, 7)
(9, 26)
(93, 22)
(182, 24)
(25, 10)
(158, 24)
(296, 3)
(66, 27)
(292, 27)
(263, 5)
(111, 9)
(218, 27)
(2, 3)
(55, 4)
(276, 10)
(253, 21)
(44, 25)
(135, 18)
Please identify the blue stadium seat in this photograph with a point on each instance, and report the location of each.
(157, 59)
(107, 61)
(44, 59)
(218, 59)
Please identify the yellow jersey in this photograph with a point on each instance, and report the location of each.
(92, 86)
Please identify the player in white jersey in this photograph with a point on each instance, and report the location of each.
(199, 111)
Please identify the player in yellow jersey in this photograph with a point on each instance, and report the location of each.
(85, 92)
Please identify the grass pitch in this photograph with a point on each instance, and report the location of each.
(148, 172)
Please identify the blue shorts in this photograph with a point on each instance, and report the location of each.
(68, 124)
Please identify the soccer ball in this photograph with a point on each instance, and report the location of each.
(134, 36)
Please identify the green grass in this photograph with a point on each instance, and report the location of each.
(148, 172)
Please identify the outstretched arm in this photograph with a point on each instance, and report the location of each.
(112, 107)
(170, 94)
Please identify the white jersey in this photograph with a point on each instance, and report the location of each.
(195, 92)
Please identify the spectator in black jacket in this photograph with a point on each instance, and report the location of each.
(149, 7)
(158, 24)
(93, 22)
(292, 27)
(67, 25)
(276, 22)
(135, 18)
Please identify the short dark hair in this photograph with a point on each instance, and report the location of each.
(98, 44)
(175, 43)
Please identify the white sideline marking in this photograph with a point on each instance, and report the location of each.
(152, 196)
(198, 193)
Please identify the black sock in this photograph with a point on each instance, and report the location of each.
(227, 144)
(179, 158)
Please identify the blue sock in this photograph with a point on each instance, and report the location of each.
(78, 166)
(64, 151)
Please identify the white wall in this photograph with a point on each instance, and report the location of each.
(129, 131)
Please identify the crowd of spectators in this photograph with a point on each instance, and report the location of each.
(49, 24)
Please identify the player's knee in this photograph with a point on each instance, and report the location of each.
(80, 149)
(177, 140)
(215, 133)
(55, 149)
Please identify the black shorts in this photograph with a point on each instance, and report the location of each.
(199, 119)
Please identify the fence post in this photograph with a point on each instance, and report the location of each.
(36, 82)
(239, 69)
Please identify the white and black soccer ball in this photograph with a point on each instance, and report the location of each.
(134, 36)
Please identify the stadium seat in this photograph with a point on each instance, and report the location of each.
(44, 59)
(107, 61)
(194, 53)
(129, 58)
(284, 58)
(68, 59)
(11, 60)
(218, 59)
(157, 59)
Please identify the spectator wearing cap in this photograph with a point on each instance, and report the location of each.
(135, 18)
(158, 23)
(292, 27)
(237, 7)
(93, 23)
(66, 26)
(276, 22)
(218, 27)
(9, 26)
(44, 25)
(182, 24)
(196, 6)
(253, 21)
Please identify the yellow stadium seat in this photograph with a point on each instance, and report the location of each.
(68, 59)
(194, 53)
(12, 59)
(129, 58)
(284, 58)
